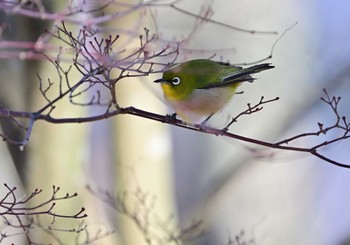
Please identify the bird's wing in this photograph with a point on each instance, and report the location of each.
(228, 83)
(238, 76)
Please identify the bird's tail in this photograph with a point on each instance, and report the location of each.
(238, 76)
(245, 72)
(259, 68)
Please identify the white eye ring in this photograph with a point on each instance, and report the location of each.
(175, 81)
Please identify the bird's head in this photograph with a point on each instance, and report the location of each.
(177, 84)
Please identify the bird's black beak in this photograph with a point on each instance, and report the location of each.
(161, 80)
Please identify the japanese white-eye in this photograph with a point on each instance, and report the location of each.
(197, 89)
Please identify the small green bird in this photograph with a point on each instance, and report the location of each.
(197, 89)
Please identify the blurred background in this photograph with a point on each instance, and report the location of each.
(177, 178)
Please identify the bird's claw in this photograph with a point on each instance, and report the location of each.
(225, 129)
(203, 126)
(170, 118)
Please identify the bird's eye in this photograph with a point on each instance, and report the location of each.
(175, 81)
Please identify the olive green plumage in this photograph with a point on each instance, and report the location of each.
(197, 89)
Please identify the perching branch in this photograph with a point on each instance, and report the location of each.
(281, 145)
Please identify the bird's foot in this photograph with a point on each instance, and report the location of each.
(170, 118)
(225, 129)
(203, 126)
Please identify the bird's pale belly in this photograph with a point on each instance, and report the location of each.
(202, 103)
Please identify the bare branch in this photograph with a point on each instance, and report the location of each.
(251, 109)
(25, 218)
(139, 206)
